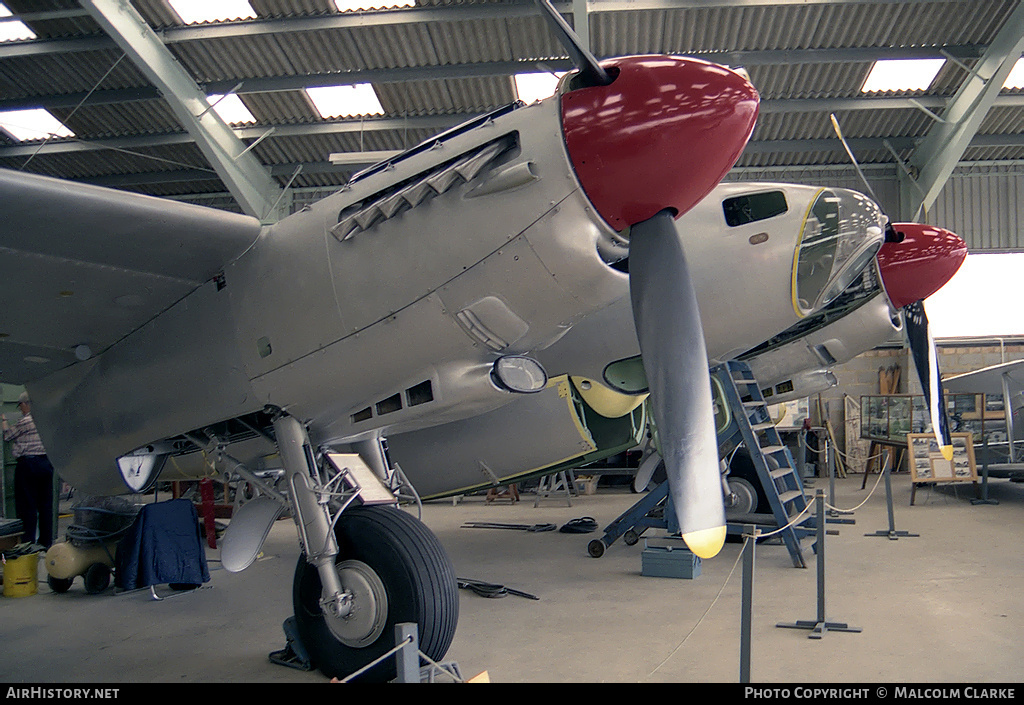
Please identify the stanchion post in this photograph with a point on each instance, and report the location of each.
(892, 533)
(408, 657)
(747, 600)
(984, 480)
(819, 626)
(830, 459)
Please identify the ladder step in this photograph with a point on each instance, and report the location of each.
(777, 477)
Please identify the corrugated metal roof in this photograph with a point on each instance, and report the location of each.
(454, 58)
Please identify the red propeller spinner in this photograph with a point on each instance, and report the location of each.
(660, 136)
(921, 264)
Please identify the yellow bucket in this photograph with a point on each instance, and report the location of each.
(21, 576)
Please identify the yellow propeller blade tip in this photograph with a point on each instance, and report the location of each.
(947, 452)
(706, 543)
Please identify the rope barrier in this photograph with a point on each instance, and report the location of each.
(699, 621)
(398, 647)
(394, 650)
(792, 522)
(872, 492)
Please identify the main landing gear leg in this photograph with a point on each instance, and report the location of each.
(361, 573)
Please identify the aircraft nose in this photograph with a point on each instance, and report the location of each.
(921, 264)
(661, 135)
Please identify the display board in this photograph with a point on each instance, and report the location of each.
(928, 465)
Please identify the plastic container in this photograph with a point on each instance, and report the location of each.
(21, 576)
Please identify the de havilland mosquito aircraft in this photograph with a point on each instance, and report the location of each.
(421, 293)
(438, 287)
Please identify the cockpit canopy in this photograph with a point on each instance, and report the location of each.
(841, 233)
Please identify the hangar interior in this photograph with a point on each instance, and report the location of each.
(136, 94)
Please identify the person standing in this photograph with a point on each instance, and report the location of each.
(33, 476)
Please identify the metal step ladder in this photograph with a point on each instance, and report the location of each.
(750, 425)
(771, 457)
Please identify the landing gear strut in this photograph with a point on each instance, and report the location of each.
(364, 569)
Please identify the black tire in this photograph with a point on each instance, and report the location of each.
(742, 467)
(60, 585)
(416, 574)
(97, 578)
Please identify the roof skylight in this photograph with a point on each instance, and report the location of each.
(356, 5)
(345, 101)
(902, 75)
(34, 124)
(194, 11)
(231, 109)
(1016, 77)
(13, 30)
(536, 86)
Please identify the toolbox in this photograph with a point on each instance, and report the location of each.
(669, 562)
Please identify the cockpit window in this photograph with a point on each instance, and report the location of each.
(841, 234)
(752, 207)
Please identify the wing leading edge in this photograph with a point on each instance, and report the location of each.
(83, 266)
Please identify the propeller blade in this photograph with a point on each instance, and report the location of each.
(591, 72)
(926, 360)
(675, 360)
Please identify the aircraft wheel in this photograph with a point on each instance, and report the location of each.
(744, 482)
(97, 578)
(59, 584)
(396, 571)
(744, 494)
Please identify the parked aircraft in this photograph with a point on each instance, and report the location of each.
(441, 286)
(422, 293)
(1005, 380)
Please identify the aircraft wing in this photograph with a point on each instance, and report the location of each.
(988, 380)
(82, 266)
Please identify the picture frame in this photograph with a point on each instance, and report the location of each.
(928, 465)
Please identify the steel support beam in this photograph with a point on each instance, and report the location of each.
(256, 192)
(939, 153)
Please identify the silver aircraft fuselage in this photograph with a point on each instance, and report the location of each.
(419, 274)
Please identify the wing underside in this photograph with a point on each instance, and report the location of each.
(82, 266)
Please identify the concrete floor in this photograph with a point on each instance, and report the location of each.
(941, 607)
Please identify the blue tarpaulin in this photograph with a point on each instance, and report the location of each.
(163, 545)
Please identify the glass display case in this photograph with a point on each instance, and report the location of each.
(889, 418)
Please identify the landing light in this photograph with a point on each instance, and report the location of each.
(520, 374)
